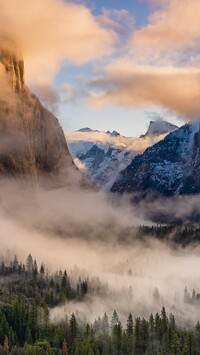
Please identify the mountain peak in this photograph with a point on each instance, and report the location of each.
(86, 129)
(113, 133)
(159, 127)
(89, 130)
(170, 168)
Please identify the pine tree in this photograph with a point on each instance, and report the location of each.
(15, 264)
(117, 338)
(129, 325)
(29, 263)
(137, 344)
(128, 339)
(144, 334)
(114, 319)
(72, 328)
(35, 271)
(190, 344)
(2, 266)
(175, 345)
(42, 270)
(164, 320)
(193, 296)
(197, 331)
(105, 324)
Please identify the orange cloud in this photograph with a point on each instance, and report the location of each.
(162, 65)
(121, 21)
(49, 32)
(175, 25)
(122, 83)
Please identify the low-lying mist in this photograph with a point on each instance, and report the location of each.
(85, 233)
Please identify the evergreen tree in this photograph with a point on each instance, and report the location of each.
(175, 345)
(114, 319)
(105, 324)
(42, 270)
(190, 344)
(72, 329)
(197, 331)
(29, 263)
(117, 338)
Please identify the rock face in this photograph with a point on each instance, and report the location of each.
(32, 143)
(159, 127)
(171, 167)
(14, 67)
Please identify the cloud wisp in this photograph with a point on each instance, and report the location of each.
(51, 32)
(162, 65)
(126, 84)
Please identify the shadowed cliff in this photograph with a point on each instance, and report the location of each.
(32, 143)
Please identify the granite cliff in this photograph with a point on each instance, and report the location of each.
(32, 143)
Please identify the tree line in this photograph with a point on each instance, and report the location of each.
(28, 293)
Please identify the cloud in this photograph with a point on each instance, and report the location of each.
(158, 2)
(162, 65)
(91, 234)
(174, 25)
(141, 266)
(121, 21)
(49, 97)
(73, 94)
(136, 145)
(50, 32)
(128, 84)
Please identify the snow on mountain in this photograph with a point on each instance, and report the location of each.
(103, 155)
(170, 167)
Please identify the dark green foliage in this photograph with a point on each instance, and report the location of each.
(178, 234)
(28, 294)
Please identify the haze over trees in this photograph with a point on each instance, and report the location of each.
(28, 293)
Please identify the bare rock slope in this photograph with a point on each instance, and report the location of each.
(32, 143)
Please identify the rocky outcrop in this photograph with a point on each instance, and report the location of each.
(14, 67)
(32, 143)
(159, 127)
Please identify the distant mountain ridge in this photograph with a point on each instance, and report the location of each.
(171, 167)
(102, 155)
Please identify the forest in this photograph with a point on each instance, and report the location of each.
(175, 233)
(28, 292)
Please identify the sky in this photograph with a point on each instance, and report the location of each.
(109, 64)
(74, 115)
(127, 121)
